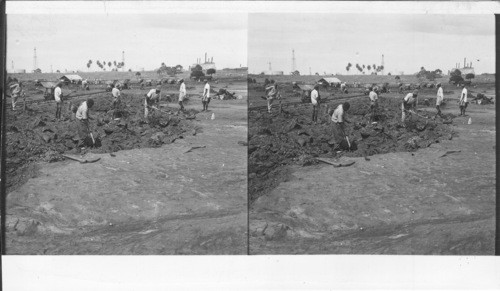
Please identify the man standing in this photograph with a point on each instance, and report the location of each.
(182, 95)
(439, 100)
(409, 103)
(205, 99)
(58, 97)
(373, 102)
(338, 121)
(152, 98)
(82, 116)
(463, 100)
(315, 100)
(115, 92)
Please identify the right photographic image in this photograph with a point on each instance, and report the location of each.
(371, 134)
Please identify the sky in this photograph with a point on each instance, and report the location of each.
(327, 42)
(68, 42)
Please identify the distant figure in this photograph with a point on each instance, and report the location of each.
(85, 85)
(115, 92)
(338, 121)
(152, 98)
(343, 88)
(16, 91)
(182, 95)
(205, 99)
(272, 93)
(82, 117)
(409, 103)
(439, 100)
(315, 100)
(373, 102)
(463, 100)
(58, 96)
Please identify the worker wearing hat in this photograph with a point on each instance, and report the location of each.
(338, 122)
(58, 97)
(151, 99)
(315, 100)
(409, 104)
(205, 99)
(82, 116)
(182, 95)
(439, 100)
(462, 102)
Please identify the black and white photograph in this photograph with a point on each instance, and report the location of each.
(371, 134)
(126, 134)
(249, 145)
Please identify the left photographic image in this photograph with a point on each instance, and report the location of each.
(126, 134)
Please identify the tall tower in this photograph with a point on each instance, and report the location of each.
(293, 60)
(34, 60)
(383, 66)
(270, 69)
(123, 60)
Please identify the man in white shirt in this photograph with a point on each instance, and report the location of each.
(115, 92)
(409, 103)
(439, 100)
(151, 98)
(58, 96)
(315, 100)
(373, 102)
(182, 95)
(338, 122)
(82, 117)
(205, 99)
(463, 100)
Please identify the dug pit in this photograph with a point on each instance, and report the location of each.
(35, 135)
(278, 140)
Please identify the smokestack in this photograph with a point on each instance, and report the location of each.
(205, 57)
(464, 63)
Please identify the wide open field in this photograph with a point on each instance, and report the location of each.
(427, 188)
(175, 185)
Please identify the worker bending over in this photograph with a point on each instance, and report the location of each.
(409, 104)
(338, 122)
(151, 99)
(272, 93)
(16, 91)
(82, 116)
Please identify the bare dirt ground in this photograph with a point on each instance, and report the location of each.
(176, 188)
(404, 199)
